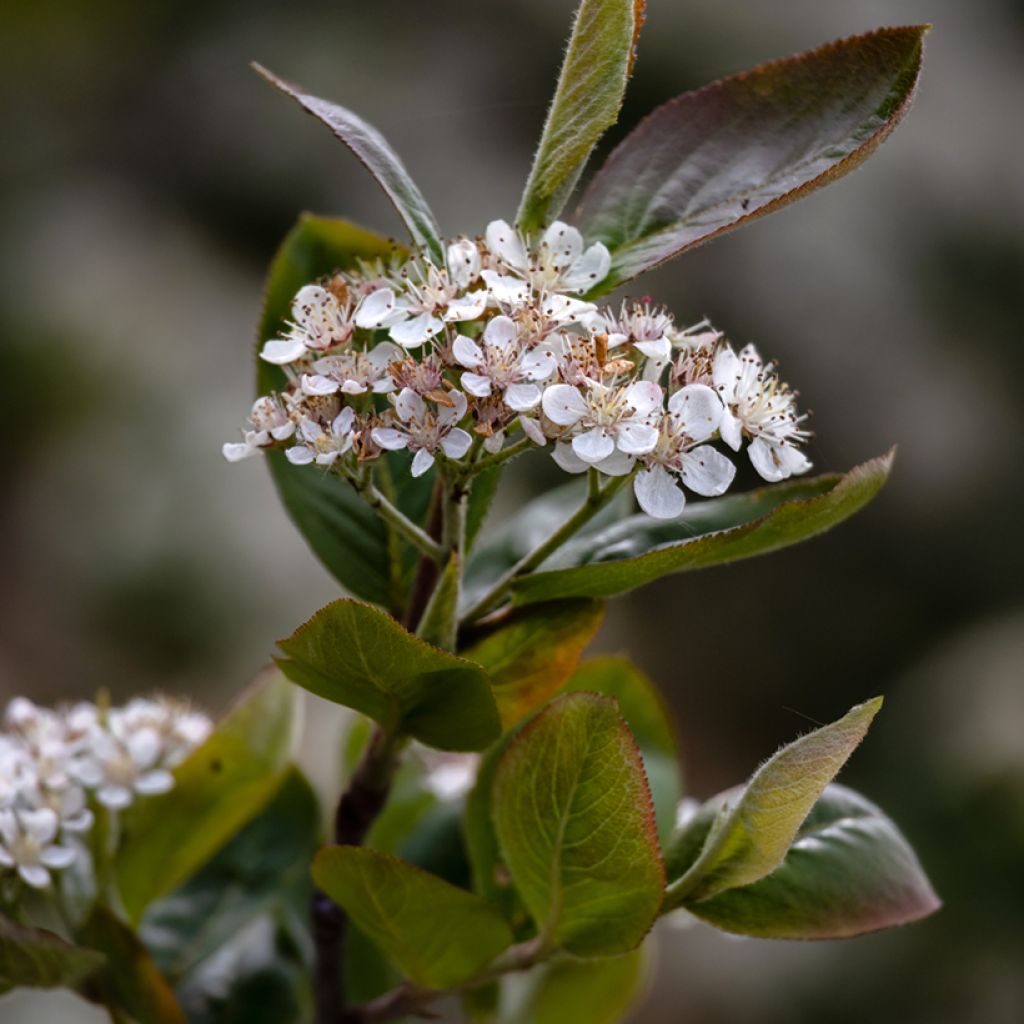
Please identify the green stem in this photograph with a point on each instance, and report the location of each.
(497, 458)
(597, 498)
(416, 536)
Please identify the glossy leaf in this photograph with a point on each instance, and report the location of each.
(711, 160)
(848, 871)
(358, 656)
(750, 838)
(641, 550)
(377, 157)
(587, 101)
(576, 826)
(437, 935)
(218, 788)
(36, 958)
(586, 991)
(531, 652)
(641, 705)
(130, 983)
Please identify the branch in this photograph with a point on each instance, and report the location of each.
(416, 536)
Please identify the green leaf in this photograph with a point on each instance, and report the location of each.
(130, 983)
(748, 840)
(576, 826)
(437, 935)
(587, 101)
(649, 721)
(217, 789)
(343, 532)
(358, 656)
(440, 618)
(848, 871)
(586, 991)
(531, 652)
(641, 550)
(711, 160)
(36, 958)
(378, 158)
(484, 488)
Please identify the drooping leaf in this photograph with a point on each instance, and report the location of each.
(641, 550)
(36, 958)
(749, 839)
(437, 935)
(648, 719)
(532, 651)
(576, 827)
(587, 101)
(356, 655)
(378, 158)
(848, 871)
(130, 983)
(586, 991)
(343, 532)
(716, 158)
(218, 788)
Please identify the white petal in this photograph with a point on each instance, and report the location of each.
(504, 241)
(466, 351)
(235, 451)
(522, 397)
(644, 396)
(375, 308)
(533, 430)
(81, 822)
(537, 365)
(658, 494)
(351, 387)
(762, 455)
(389, 438)
(697, 410)
(281, 351)
(564, 405)
(318, 384)
(35, 875)
(707, 471)
(154, 782)
(458, 408)
(731, 430)
(617, 464)
(660, 351)
(590, 269)
(300, 455)
(594, 445)
(40, 824)
(501, 332)
(57, 856)
(413, 333)
(476, 384)
(283, 432)
(563, 244)
(494, 443)
(6, 860)
(463, 262)
(343, 421)
(114, 797)
(409, 405)
(468, 307)
(565, 458)
(635, 438)
(144, 747)
(565, 308)
(506, 289)
(421, 462)
(457, 443)
(725, 372)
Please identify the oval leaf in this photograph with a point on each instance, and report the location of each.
(641, 550)
(849, 871)
(377, 157)
(532, 651)
(437, 935)
(218, 788)
(36, 958)
(711, 160)
(356, 655)
(586, 992)
(749, 839)
(587, 101)
(575, 822)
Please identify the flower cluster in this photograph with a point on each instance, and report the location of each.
(452, 362)
(56, 765)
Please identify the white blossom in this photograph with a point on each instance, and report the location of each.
(320, 322)
(559, 262)
(27, 845)
(323, 446)
(424, 431)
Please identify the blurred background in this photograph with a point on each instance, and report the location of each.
(146, 178)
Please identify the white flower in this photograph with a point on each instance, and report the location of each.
(758, 403)
(321, 446)
(694, 413)
(424, 431)
(320, 322)
(269, 423)
(648, 330)
(558, 264)
(356, 373)
(27, 844)
(605, 418)
(500, 364)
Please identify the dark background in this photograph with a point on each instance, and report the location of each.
(146, 177)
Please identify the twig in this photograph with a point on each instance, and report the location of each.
(417, 536)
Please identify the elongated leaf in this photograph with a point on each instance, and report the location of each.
(642, 550)
(440, 618)
(749, 839)
(586, 992)
(339, 527)
(35, 958)
(130, 983)
(716, 158)
(378, 158)
(356, 655)
(649, 721)
(587, 102)
(436, 934)
(849, 871)
(576, 825)
(533, 651)
(168, 838)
